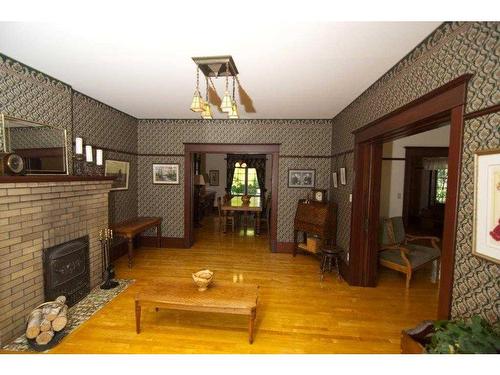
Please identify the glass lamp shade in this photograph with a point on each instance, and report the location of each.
(207, 112)
(227, 103)
(234, 112)
(197, 103)
(79, 146)
(98, 156)
(89, 155)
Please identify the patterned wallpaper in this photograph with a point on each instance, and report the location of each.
(29, 94)
(45, 137)
(477, 281)
(452, 50)
(103, 126)
(100, 124)
(297, 138)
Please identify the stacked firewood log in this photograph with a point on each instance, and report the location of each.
(46, 319)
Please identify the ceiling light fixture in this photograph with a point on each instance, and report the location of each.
(227, 102)
(207, 111)
(233, 114)
(197, 102)
(216, 66)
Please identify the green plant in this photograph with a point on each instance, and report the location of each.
(464, 337)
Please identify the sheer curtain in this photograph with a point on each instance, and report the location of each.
(433, 164)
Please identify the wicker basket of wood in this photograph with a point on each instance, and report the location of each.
(46, 323)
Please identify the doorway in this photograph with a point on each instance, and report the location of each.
(191, 152)
(445, 104)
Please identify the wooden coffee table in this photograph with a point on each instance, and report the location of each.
(182, 294)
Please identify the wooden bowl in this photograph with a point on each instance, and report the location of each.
(203, 279)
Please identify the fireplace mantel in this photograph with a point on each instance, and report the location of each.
(51, 178)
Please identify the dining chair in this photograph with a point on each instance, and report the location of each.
(266, 218)
(230, 216)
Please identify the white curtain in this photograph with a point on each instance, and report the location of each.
(433, 164)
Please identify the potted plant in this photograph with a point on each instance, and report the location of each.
(473, 336)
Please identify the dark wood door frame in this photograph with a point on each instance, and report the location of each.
(228, 148)
(412, 157)
(426, 113)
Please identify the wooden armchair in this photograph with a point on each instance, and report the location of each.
(398, 254)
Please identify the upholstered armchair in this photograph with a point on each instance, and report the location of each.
(399, 254)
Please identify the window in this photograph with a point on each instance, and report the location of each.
(245, 182)
(441, 185)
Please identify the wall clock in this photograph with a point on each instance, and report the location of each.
(319, 195)
(11, 164)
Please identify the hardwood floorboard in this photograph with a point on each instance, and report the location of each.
(296, 313)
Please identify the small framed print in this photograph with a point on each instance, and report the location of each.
(335, 180)
(343, 179)
(486, 228)
(120, 171)
(167, 174)
(301, 178)
(213, 177)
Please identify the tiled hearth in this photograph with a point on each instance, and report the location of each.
(38, 215)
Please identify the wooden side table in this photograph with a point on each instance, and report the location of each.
(329, 255)
(132, 227)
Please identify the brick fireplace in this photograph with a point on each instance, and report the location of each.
(35, 215)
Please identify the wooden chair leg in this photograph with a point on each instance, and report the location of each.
(408, 278)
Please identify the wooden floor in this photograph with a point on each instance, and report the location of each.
(296, 313)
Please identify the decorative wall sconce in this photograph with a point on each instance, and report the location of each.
(79, 147)
(89, 156)
(98, 156)
(343, 179)
(84, 163)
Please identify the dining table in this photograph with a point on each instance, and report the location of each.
(236, 204)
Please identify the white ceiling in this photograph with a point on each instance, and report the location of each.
(290, 70)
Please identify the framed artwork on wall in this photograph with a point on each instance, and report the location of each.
(167, 174)
(213, 177)
(120, 171)
(301, 178)
(486, 229)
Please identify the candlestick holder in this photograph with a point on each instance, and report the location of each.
(108, 271)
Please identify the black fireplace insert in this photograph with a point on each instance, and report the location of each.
(66, 270)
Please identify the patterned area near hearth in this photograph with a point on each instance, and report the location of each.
(79, 313)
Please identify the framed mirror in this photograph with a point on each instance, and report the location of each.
(42, 147)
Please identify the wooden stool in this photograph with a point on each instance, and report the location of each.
(329, 254)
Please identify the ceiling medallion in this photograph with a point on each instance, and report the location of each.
(215, 66)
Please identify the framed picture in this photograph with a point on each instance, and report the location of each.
(166, 174)
(335, 180)
(343, 179)
(120, 171)
(301, 178)
(213, 177)
(486, 229)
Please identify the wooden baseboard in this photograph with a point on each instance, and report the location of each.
(171, 242)
(284, 247)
